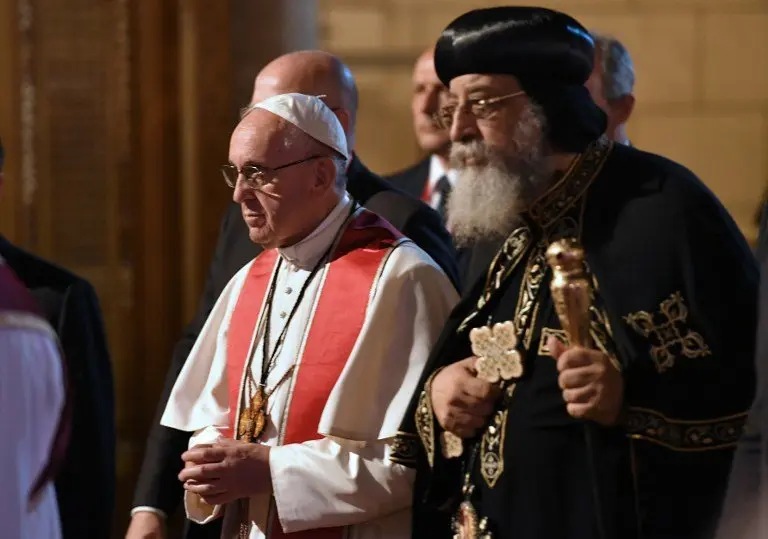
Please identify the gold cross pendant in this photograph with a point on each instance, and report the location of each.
(252, 419)
(495, 348)
(467, 524)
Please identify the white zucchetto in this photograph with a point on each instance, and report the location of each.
(311, 115)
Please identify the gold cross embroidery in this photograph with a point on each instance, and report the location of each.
(670, 336)
(546, 333)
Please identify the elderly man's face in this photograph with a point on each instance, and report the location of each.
(488, 109)
(500, 152)
(274, 213)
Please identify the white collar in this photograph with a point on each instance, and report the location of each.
(308, 251)
(437, 170)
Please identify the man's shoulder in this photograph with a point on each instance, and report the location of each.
(36, 272)
(369, 231)
(15, 299)
(53, 287)
(408, 268)
(19, 313)
(412, 255)
(407, 176)
(389, 201)
(363, 183)
(635, 178)
(643, 198)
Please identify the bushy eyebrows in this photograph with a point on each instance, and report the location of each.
(249, 163)
(474, 90)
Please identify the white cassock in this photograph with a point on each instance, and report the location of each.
(345, 478)
(31, 399)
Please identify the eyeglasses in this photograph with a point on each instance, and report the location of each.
(257, 176)
(479, 108)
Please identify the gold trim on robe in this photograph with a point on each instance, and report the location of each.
(425, 420)
(685, 435)
(405, 449)
(546, 333)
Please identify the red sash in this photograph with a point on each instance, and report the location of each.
(15, 298)
(333, 332)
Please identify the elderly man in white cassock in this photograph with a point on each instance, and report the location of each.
(298, 382)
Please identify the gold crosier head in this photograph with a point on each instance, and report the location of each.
(571, 290)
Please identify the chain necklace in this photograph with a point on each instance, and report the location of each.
(253, 416)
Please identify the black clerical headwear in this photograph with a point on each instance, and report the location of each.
(548, 52)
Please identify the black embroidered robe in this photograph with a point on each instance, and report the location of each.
(674, 306)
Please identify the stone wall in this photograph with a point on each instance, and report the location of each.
(701, 65)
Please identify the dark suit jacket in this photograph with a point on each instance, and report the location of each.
(85, 485)
(745, 514)
(158, 485)
(412, 180)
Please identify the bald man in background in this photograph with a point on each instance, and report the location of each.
(159, 492)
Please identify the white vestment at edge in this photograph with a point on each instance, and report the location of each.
(31, 400)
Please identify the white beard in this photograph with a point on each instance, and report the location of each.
(488, 199)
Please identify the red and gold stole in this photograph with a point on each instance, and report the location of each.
(334, 329)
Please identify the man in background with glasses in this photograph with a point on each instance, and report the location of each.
(297, 384)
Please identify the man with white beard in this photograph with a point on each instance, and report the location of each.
(627, 429)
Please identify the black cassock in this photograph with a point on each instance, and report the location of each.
(674, 305)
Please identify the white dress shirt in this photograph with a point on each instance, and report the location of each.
(437, 171)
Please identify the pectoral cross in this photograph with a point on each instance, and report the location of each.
(497, 359)
(253, 417)
(495, 347)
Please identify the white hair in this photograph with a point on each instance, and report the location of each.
(617, 69)
(491, 194)
(341, 172)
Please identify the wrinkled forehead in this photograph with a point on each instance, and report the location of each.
(259, 138)
(479, 86)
